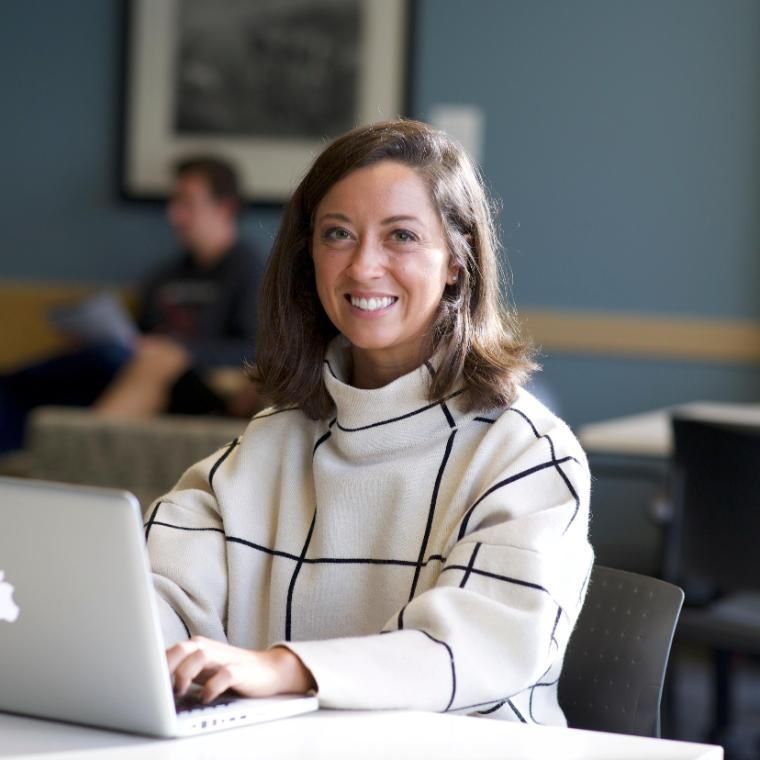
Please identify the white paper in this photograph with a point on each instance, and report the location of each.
(100, 318)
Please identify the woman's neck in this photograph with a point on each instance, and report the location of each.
(371, 370)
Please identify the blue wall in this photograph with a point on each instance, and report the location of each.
(623, 138)
(60, 213)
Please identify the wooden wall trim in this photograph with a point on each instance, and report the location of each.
(25, 334)
(644, 336)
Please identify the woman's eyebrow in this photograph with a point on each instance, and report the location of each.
(388, 220)
(334, 215)
(399, 218)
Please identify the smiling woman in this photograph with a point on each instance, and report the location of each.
(381, 266)
(406, 527)
(415, 186)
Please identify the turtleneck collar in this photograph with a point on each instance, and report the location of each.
(397, 414)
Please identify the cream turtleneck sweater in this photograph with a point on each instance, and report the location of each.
(411, 554)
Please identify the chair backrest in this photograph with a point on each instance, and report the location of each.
(712, 543)
(614, 670)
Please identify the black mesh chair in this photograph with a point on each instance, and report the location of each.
(613, 674)
(713, 548)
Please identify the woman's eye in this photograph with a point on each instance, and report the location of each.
(404, 236)
(336, 233)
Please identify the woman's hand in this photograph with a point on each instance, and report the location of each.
(216, 667)
(162, 356)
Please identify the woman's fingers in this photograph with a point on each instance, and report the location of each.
(219, 667)
(177, 653)
(247, 673)
(224, 677)
(190, 662)
(193, 669)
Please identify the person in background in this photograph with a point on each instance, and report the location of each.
(406, 526)
(196, 311)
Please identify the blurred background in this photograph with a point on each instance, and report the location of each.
(622, 138)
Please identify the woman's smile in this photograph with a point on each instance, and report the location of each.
(371, 304)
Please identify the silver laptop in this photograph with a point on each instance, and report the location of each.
(79, 632)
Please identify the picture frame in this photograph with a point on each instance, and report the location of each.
(265, 84)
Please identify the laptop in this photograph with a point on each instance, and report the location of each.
(79, 634)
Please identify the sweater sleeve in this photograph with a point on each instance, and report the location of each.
(496, 623)
(188, 556)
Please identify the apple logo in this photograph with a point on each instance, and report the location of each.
(9, 610)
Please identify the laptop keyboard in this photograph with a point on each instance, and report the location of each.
(191, 702)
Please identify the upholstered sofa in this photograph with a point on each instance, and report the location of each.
(73, 445)
(143, 456)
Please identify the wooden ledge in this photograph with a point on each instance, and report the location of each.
(644, 336)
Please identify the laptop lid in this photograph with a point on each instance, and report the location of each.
(79, 631)
(79, 634)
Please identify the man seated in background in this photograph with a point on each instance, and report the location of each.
(196, 311)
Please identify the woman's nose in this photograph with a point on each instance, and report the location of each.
(367, 260)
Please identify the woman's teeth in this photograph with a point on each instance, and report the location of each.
(372, 304)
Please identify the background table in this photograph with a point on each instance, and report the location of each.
(649, 434)
(629, 459)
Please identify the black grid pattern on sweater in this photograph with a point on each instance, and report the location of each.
(467, 570)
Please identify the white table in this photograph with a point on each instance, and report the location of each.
(333, 735)
(649, 434)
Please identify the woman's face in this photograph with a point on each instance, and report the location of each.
(381, 264)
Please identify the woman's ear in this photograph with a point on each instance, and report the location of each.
(455, 267)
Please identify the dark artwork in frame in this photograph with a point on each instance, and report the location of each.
(263, 83)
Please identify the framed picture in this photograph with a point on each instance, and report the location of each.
(263, 83)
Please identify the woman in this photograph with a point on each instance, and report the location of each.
(406, 527)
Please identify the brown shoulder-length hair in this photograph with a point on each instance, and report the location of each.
(474, 331)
